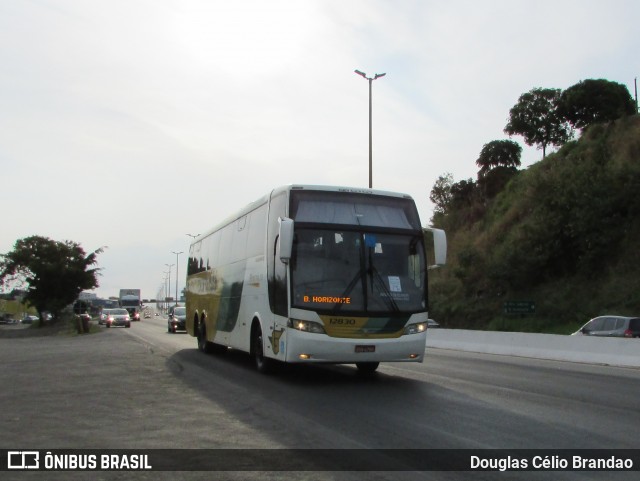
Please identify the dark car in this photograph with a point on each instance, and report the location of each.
(611, 326)
(177, 319)
(29, 319)
(7, 319)
(134, 314)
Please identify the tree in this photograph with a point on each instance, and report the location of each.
(55, 272)
(462, 192)
(536, 118)
(441, 193)
(494, 181)
(498, 153)
(594, 101)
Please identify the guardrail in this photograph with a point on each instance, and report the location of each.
(586, 349)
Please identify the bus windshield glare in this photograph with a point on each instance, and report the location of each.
(357, 253)
(339, 270)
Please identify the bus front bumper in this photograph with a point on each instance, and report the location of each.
(319, 348)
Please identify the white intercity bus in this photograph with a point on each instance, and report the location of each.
(314, 274)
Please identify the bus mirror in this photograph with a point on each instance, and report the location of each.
(286, 238)
(439, 246)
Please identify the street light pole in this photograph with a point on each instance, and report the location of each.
(164, 303)
(169, 288)
(177, 254)
(370, 79)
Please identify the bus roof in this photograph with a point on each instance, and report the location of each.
(285, 188)
(354, 190)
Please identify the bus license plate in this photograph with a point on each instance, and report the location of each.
(365, 348)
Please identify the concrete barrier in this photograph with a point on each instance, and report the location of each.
(587, 349)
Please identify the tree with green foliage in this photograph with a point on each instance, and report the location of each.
(595, 101)
(455, 202)
(55, 272)
(498, 153)
(462, 192)
(563, 234)
(441, 193)
(495, 181)
(536, 118)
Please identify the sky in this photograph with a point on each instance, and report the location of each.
(132, 123)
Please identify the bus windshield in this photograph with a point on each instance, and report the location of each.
(340, 270)
(355, 210)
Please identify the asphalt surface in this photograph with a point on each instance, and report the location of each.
(142, 388)
(108, 390)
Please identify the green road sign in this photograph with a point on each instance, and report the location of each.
(519, 307)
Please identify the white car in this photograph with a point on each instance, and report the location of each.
(431, 324)
(118, 317)
(103, 316)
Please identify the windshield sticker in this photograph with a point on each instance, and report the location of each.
(394, 284)
(370, 240)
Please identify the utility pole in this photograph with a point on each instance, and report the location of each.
(169, 288)
(370, 79)
(177, 254)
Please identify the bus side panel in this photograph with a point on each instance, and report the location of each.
(254, 303)
(204, 292)
(253, 300)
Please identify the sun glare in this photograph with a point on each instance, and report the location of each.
(244, 38)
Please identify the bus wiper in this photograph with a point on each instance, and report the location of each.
(362, 275)
(375, 276)
(376, 280)
(348, 289)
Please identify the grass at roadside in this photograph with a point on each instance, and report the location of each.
(67, 326)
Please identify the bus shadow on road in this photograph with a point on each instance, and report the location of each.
(286, 404)
(303, 405)
(238, 366)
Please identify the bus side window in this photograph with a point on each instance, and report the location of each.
(277, 291)
(415, 269)
(280, 283)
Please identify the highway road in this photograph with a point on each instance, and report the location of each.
(454, 400)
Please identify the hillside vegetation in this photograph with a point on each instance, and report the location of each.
(563, 234)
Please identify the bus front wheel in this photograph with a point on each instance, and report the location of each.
(263, 364)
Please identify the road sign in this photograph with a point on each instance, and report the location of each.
(519, 307)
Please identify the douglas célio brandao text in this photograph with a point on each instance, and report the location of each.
(543, 463)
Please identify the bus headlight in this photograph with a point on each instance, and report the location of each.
(416, 328)
(306, 326)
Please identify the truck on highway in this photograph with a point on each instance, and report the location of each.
(130, 300)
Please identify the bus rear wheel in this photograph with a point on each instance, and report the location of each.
(367, 367)
(203, 345)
